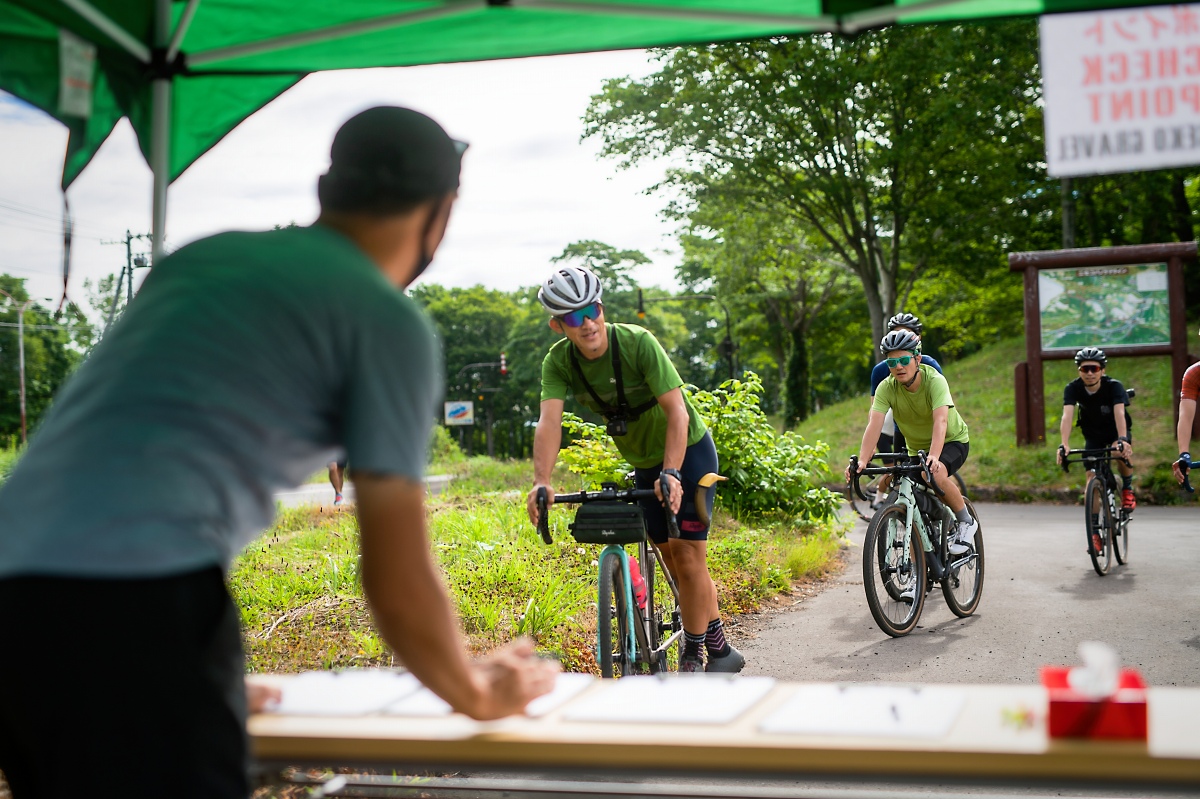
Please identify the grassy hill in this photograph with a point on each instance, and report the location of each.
(983, 392)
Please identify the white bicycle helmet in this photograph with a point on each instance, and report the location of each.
(569, 289)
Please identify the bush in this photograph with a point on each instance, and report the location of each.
(443, 449)
(768, 472)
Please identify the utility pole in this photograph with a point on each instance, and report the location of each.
(131, 261)
(502, 366)
(20, 354)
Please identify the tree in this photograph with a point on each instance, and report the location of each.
(883, 146)
(763, 264)
(52, 351)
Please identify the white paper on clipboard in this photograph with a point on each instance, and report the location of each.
(355, 692)
(677, 699)
(868, 710)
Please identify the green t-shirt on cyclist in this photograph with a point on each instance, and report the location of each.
(913, 410)
(646, 373)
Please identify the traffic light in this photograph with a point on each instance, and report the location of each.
(503, 365)
(641, 312)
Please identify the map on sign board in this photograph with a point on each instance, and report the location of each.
(1104, 306)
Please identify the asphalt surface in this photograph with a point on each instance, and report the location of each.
(1041, 598)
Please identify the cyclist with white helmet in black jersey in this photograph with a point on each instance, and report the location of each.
(1103, 416)
(920, 400)
(621, 372)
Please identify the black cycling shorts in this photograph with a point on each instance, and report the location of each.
(699, 459)
(954, 455)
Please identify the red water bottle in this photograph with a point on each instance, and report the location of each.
(639, 585)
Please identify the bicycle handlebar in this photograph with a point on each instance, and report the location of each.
(1185, 467)
(608, 493)
(915, 463)
(1089, 455)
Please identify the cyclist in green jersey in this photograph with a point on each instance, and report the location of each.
(920, 400)
(622, 373)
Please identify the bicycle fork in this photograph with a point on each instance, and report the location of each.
(628, 589)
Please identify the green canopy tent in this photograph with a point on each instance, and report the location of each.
(186, 72)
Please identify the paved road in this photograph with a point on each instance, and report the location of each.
(322, 493)
(1040, 599)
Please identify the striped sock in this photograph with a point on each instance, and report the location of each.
(714, 639)
(692, 644)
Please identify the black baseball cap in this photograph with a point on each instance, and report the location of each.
(386, 159)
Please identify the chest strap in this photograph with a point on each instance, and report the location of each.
(622, 409)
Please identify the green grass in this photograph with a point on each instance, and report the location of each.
(302, 606)
(983, 391)
(8, 459)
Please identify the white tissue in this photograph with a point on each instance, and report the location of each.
(1100, 673)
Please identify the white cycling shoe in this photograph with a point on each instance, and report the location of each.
(964, 538)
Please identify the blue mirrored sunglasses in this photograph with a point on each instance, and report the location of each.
(903, 360)
(575, 318)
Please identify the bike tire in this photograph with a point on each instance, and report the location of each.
(896, 617)
(612, 639)
(962, 487)
(1098, 525)
(868, 482)
(1121, 538)
(963, 584)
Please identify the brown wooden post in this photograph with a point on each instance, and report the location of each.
(1034, 382)
(1178, 327)
(1021, 405)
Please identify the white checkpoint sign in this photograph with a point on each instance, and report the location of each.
(1122, 89)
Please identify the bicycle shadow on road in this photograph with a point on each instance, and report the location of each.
(1091, 586)
(925, 642)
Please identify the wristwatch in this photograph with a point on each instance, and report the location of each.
(674, 473)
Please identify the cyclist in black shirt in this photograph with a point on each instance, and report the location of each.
(1102, 416)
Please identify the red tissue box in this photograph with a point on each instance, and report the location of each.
(1121, 716)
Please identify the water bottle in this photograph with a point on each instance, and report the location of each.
(639, 585)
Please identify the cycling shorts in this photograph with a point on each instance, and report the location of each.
(954, 455)
(699, 460)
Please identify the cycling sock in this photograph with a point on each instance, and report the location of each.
(963, 515)
(1127, 482)
(714, 640)
(691, 644)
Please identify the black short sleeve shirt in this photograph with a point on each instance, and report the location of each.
(1096, 410)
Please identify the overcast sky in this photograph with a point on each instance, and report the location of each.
(530, 187)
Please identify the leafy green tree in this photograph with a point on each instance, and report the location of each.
(885, 165)
(52, 351)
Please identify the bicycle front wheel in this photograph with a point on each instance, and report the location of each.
(1099, 521)
(1120, 537)
(894, 572)
(963, 584)
(612, 620)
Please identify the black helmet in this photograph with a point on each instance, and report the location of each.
(1091, 354)
(900, 340)
(905, 320)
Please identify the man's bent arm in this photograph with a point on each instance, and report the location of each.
(547, 439)
(675, 447)
(1183, 431)
(870, 438)
(1064, 427)
(413, 611)
(937, 442)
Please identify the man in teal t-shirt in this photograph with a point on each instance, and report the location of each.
(655, 427)
(920, 401)
(246, 362)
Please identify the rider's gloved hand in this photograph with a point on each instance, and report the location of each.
(1181, 466)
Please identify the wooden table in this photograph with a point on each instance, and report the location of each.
(986, 743)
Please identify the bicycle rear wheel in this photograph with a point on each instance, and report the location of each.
(869, 484)
(1099, 524)
(1121, 537)
(663, 613)
(894, 572)
(612, 620)
(963, 584)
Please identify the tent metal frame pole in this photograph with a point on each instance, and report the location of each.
(823, 23)
(874, 17)
(110, 29)
(449, 9)
(160, 134)
(185, 22)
